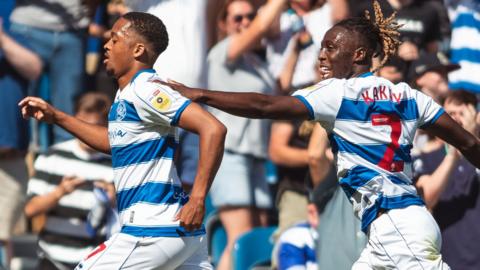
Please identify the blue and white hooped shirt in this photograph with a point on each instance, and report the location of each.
(143, 140)
(371, 124)
(296, 248)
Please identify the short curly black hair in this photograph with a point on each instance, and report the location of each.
(151, 28)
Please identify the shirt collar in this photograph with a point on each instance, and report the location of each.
(366, 74)
(148, 70)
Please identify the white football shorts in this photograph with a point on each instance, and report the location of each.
(123, 251)
(407, 238)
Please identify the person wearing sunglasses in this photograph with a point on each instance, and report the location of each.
(240, 192)
(238, 18)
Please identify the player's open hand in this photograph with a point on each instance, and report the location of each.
(193, 94)
(191, 214)
(37, 108)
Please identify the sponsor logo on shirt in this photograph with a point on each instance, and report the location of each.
(160, 100)
(116, 133)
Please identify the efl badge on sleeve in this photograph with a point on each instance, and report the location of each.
(160, 100)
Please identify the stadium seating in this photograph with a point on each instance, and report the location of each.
(217, 238)
(253, 248)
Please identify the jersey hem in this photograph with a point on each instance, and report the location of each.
(371, 214)
(168, 231)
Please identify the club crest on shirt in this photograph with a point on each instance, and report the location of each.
(121, 111)
(160, 100)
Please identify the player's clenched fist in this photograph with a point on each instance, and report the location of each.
(191, 214)
(37, 108)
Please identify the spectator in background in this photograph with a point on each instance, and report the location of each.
(420, 19)
(394, 70)
(6, 7)
(465, 45)
(429, 74)
(56, 30)
(288, 150)
(450, 186)
(299, 30)
(67, 186)
(234, 64)
(184, 59)
(295, 249)
(18, 65)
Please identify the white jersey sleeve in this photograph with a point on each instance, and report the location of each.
(323, 99)
(159, 103)
(428, 110)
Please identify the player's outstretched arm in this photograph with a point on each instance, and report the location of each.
(94, 135)
(451, 132)
(251, 105)
(212, 137)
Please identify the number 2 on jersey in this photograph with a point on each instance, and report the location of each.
(394, 122)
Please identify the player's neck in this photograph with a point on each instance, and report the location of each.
(125, 79)
(359, 70)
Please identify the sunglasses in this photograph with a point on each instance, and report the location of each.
(239, 18)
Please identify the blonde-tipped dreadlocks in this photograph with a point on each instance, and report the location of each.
(388, 32)
(376, 32)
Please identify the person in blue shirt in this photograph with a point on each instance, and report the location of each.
(295, 249)
(18, 65)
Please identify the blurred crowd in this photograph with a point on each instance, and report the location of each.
(278, 173)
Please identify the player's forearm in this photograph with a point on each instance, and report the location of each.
(212, 138)
(472, 151)
(253, 105)
(94, 135)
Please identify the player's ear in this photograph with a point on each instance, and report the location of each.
(360, 55)
(139, 50)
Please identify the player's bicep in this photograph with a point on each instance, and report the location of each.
(194, 118)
